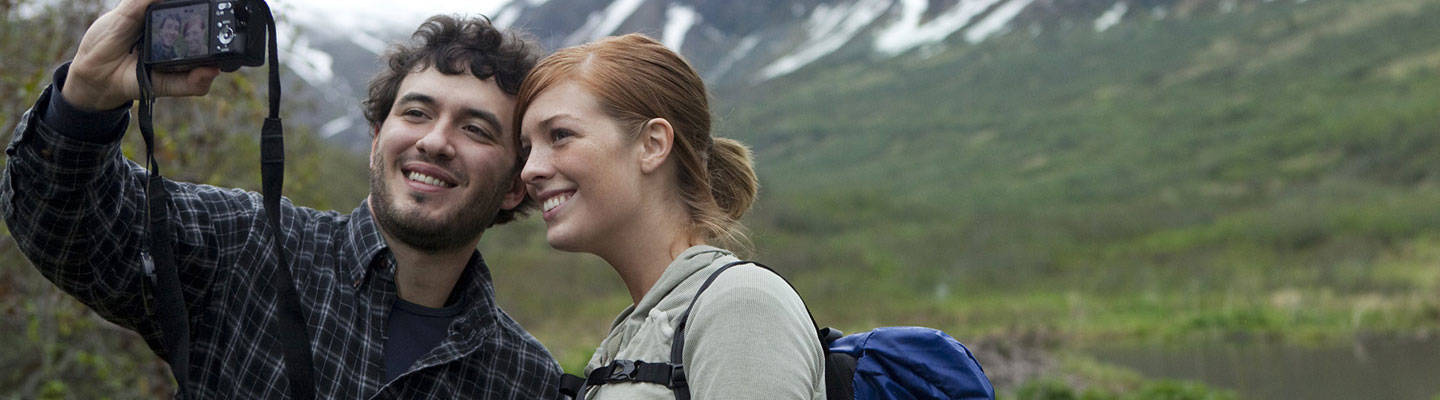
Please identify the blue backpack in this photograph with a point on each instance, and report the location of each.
(884, 363)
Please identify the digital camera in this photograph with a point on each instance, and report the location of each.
(180, 35)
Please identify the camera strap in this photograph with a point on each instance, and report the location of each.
(290, 331)
(159, 263)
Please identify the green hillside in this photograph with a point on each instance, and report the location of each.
(1269, 171)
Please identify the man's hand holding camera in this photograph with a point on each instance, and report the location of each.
(102, 77)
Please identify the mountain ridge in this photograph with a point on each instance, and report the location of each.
(735, 45)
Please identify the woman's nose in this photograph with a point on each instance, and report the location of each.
(537, 165)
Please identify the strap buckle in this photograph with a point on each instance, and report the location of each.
(622, 371)
(677, 377)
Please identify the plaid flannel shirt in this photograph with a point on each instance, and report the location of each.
(76, 209)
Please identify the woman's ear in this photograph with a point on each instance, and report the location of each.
(657, 137)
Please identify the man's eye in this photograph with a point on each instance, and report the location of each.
(476, 131)
(413, 113)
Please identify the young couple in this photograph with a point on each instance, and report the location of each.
(611, 139)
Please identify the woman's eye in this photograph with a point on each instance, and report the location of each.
(413, 113)
(558, 134)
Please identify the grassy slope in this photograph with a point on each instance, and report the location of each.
(1269, 171)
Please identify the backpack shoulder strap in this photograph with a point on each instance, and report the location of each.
(677, 344)
(571, 386)
(671, 374)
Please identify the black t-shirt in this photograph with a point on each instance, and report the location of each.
(413, 330)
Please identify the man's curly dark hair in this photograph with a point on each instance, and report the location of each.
(453, 46)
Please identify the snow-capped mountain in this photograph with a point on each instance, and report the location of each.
(746, 42)
(333, 45)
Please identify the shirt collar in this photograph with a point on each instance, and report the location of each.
(368, 247)
(365, 244)
(680, 271)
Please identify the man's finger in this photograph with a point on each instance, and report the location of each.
(195, 82)
(201, 79)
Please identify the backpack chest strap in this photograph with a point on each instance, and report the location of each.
(672, 376)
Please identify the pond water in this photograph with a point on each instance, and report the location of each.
(1380, 369)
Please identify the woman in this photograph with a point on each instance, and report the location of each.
(621, 158)
(195, 37)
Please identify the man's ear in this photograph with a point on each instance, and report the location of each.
(514, 195)
(657, 137)
(374, 142)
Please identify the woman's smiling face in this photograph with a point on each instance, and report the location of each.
(582, 168)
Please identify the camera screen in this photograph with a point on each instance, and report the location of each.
(179, 32)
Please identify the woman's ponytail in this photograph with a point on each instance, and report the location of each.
(732, 177)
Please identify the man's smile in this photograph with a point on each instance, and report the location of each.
(427, 178)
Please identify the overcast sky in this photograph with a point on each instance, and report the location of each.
(356, 13)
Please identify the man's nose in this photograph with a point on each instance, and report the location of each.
(436, 142)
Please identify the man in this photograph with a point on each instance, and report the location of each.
(396, 301)
(169, 32)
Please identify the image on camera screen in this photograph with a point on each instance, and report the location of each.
(178, 33)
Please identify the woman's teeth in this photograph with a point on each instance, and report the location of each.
(556, 201)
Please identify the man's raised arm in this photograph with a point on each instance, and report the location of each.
(76, 206)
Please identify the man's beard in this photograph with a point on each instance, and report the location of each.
(410, 227)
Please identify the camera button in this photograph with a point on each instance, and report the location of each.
(226, 35)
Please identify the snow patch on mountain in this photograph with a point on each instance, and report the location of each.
(829, 28)
(678, 21)
(601, 23)
(909, 32)
(900, 36)
(369, 42)
(336, 126)
(309, 63)
(506, 16)
(616, 14)
(996, 22)
(740, 51)
(1111, 16)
